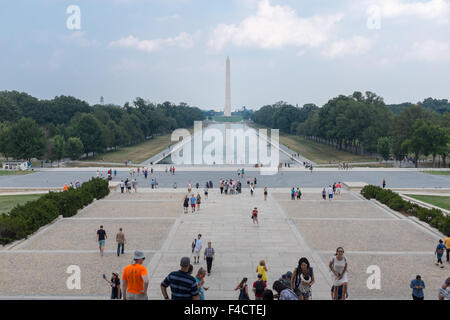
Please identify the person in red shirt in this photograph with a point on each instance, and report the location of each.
(255, 216)
(258, 288)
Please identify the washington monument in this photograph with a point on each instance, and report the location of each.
(227, 111)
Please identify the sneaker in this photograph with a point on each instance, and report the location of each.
(442, 266)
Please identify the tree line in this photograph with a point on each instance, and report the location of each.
(364, 124)
(68, 127)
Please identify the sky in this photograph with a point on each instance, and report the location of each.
(296, 51)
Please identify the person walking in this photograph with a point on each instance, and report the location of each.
(440, 249)
(198, 202)
(444, 292)
(262, 269)
(186, 204)
(338, 266)
(193, 203)
(206, 193)
(302, 279)
(135, 279)
(120, 239)
(182, 285)
(417, 285)
(243, 290)
(252, 189)
(330, 193)
(101, 239)
(265, 193)
(258, 288)
(122, 186)
(324, 194)
(447, 246)
(197, 245)
(293, 193)
(255, 216)
(209, 257)
(338, 188)
(299, 194)
(200, 279)
(384, 183)
(114, 283)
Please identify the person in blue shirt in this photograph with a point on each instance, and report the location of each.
(193, 203)
(440, 249)
(417, 285)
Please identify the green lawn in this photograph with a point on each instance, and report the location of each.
(13, 173)
(228, 119)
(438, 201)
(10, 201)
(440, 173)
(137, 153)
(319, 152)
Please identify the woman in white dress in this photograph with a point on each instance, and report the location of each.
(338, 267)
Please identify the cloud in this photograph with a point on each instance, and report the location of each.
(348, 47)
(183, 40)
(429, 51)
(434, 10)
(274, 27)
(79, 39)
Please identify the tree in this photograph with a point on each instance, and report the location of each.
(58, 147)
(384, 147)
(419, 143)
(90, 132)
(74, 148)
(26, 140)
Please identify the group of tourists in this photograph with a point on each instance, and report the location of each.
(331, 190)
(72, 186)
(128, 185)
(193, 201)
(230, 186)
(120, 240)
(343, 166)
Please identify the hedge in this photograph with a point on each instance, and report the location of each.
(433, 217)
(26, 219)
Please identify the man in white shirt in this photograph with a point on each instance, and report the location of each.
(330, 192)
(198, 243)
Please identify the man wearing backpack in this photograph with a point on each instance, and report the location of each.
(258, 288)
(196, 247)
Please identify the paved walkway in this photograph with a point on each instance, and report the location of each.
(239, 244)
(154, 222)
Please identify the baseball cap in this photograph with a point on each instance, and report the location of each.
(185, 262)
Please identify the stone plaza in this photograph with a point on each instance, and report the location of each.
(154, 222)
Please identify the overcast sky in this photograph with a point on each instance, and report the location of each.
(291, 50)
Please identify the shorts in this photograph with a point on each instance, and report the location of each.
(338, 283)
(303, 291)
(136, 296)
(197, 253)
(101, 243)
(193, 205)
(330, 196)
